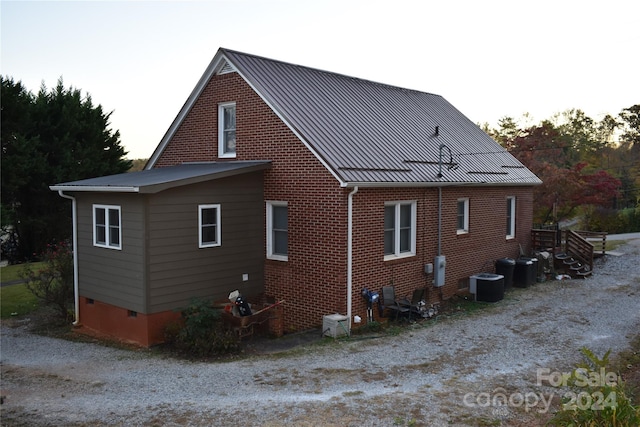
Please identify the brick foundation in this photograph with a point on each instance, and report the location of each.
(98, 318)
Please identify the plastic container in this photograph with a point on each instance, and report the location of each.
(505, 266)
(535, 269)
(524, 273)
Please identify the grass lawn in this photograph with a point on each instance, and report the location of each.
(12, 272)
(612, 245)
(15, 298)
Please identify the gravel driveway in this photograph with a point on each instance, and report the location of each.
(443, 372)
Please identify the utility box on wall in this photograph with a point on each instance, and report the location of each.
(439, 264)
(335, 325)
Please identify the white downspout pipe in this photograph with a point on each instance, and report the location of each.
(76, 289)
(350, 254)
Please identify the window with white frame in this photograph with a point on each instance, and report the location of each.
(209, 226)
(278, 231)
(463, 216)
(399, 229)
(107, 231)
(227, 130)
(511, 217)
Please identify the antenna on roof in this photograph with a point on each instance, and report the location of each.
(451, 165)
(437, 130)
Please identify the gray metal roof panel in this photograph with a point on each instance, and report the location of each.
(158, 179)
(371, 132)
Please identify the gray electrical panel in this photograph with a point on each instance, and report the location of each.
(439, 264)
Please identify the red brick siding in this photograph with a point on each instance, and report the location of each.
(465, 254)
(104, 319)
(313, 280)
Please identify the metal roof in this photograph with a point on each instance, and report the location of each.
(368, 133)
(159, 179)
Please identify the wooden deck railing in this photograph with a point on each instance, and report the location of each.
(544, 240)
(579, 248)
(597, 239)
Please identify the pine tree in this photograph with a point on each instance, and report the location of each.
(55, 136)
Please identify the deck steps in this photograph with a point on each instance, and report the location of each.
(572, 266)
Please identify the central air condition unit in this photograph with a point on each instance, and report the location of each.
(487, 287)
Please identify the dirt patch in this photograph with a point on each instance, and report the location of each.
(424, 374)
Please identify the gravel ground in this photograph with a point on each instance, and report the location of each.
(449, 371)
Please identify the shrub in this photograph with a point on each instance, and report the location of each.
(201, 332)
(611, 221)
(52, 283)
(630, 219)
(597, 400)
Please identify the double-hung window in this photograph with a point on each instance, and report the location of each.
(278, 231)
(511, 217)
(227, 130)
(209, 226)
(399, 229)
(107, 231)
(463, 216)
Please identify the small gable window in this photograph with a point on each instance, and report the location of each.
(209, 225)
(399, 229)
(107, 232)
(227, 130)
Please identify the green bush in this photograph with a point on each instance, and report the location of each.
(612, 221)
(630, 219)
(595, 399)
(52, 281)
(201, 332)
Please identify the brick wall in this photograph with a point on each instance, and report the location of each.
(313, 280)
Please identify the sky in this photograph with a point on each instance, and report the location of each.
(140, 60)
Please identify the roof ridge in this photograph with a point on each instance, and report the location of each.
(320, 70)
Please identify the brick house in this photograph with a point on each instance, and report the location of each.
(299, 184)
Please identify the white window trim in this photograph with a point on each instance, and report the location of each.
(270, 243)
(108, 244)
(221, 152)
(412, 252)
(218, 241)
(512, 222)
(465, 229)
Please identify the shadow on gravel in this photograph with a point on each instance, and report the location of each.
(266, 345)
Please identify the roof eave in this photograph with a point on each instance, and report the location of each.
(161, 186)
(95, 188)
(362, 184)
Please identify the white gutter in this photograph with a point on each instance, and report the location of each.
(76, 295)
(93, 188)
(350, 254)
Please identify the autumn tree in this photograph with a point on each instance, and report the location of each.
(555, 153)
(628, 159)
(58, 135)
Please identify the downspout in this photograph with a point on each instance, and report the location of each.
(439, 220)
(350, 254)
(76, 296)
